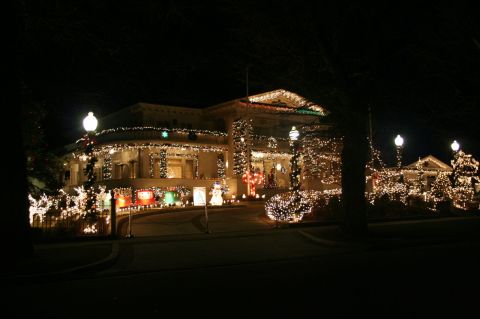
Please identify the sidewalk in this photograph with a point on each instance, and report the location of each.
(61, 260)
(74, 259)
(397, 234)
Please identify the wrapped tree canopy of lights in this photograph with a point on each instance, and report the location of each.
(441, 187)
(465, 169)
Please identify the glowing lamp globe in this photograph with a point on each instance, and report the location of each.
(90, 122)
(399, 141)
(279, 166)
(293, 134)
(455, 146)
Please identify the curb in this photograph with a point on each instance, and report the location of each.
(321, 241)
(107, 261)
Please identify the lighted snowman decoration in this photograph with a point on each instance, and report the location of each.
(216, 195)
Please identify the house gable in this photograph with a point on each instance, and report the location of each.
(430, 162)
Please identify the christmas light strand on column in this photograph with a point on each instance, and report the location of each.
(91, 212)
(195, 167)
(242, 131)
(295, 168)
(163, 164)
(152, 164)
(153, 156)
(220, 166)
(107, 167)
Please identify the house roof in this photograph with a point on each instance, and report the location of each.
(280, 100)
(287, 99)
(430, 162)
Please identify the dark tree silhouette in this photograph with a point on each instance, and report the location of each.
(410, 63)
(17, 227)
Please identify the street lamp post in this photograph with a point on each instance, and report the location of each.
(455, 148)
(90, 124)
(113, 215)
(295, 169)
(399, 145)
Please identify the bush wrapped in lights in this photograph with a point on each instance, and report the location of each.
(284, 208)
(287, 207)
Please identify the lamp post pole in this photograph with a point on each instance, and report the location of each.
(129, 234)
(113, 215)
(399, 145)
(90, 124)
(295, 170)
(455, 148)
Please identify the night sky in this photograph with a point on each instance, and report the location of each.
(424, 61)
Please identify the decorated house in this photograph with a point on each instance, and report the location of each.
(425, 170)
(243, 144)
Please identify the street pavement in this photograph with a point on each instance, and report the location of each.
(403, 268)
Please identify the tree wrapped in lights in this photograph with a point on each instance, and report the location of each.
(375, 162)
(465, 169)
(321, 157)
(374, 166)
(441, 188)
(242, 131)
(390, 183)
(418, 185)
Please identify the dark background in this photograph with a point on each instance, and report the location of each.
(101, 56)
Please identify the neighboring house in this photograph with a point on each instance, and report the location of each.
(148, 145)
(428, 167)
